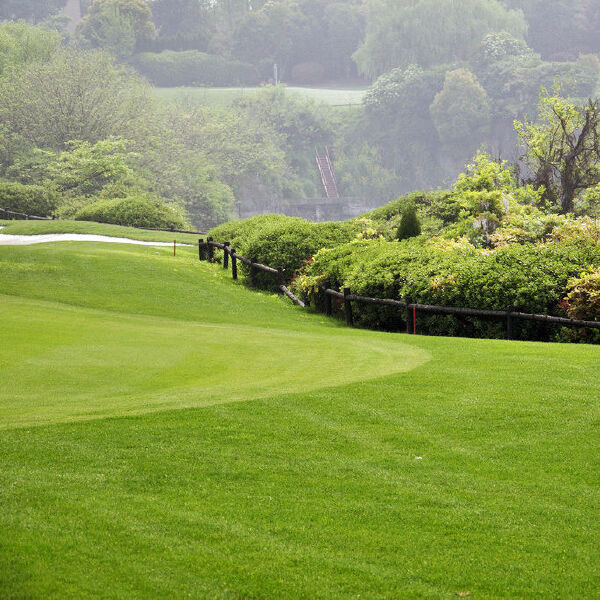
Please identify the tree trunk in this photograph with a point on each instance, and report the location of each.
(567, 196)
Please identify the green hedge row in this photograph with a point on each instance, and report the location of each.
(284, 243)
(193, 68)
(29, 199)
(133, 211)
(532, 279)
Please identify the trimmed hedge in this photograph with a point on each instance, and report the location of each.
(133, 211)
(532, 279)
(30, 199)
(193, 68)
(284, 243)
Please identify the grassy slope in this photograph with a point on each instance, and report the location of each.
(224, 96)
(61, 226)
(317, 493)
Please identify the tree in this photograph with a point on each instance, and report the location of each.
(273, 34)
(33, 11)
(179, 17)
(430, 32)
(84, 169)
(117, 25)
(22, 44)
(562, 149)
(409, 224)
(77, 95)
(461, 111)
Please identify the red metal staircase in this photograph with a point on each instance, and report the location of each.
(327, 174)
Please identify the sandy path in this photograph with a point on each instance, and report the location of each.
(26, 240)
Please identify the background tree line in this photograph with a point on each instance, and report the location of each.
(446, 77)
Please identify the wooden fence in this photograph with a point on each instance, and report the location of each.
(206, 251)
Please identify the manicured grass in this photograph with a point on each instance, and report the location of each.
(363, 464)
(62, 226)
(224, 96)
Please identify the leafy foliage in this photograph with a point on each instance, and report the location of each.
(76, 95)
(133, 211)
(21, 44)
(429, 32)
(284, 243)
(530, 278)
(29, 199)
(583, 296)
(170, 69)
(409, 224)
(562, 149)
(117, 25)
(461, 111)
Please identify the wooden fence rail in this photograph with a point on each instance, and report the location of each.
(412, 308)
(24, 216)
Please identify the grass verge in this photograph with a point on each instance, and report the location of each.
(383, 466)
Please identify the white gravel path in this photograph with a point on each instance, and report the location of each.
(27, 240)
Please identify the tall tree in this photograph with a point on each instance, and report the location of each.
(562, 149)
(33, 11)
(429, 32)
(77, 95)
(117, 25)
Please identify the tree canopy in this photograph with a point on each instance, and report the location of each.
(429, 32)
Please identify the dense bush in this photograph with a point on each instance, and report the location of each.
(29, 199)
(284, 243)
(238, 232)
(583, 299)
(531, 279)
(409, 224)
(171, 69)
(133, 211)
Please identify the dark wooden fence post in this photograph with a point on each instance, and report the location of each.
(211, 250)
(328, 301)
(348, 308)
(253, 271)
(410, 326)
(510, 324)
(233, 264)
(201, 250)
(226, 255)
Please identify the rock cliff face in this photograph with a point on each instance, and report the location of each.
(73, 11)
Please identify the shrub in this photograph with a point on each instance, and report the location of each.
(237, 232)
(170, 69)
(29, 199)
(308, 73)
(284, 243)
(134, 211)
(583, 297)
(532, 279)
(409, 224)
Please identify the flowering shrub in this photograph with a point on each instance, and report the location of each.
(583, 296)
(532, 279)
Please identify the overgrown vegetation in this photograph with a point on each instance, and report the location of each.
(488, 243)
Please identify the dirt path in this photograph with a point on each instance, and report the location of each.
(27, 240)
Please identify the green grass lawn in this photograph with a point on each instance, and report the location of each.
(224, 96)
(166, 433)
(61, 226)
